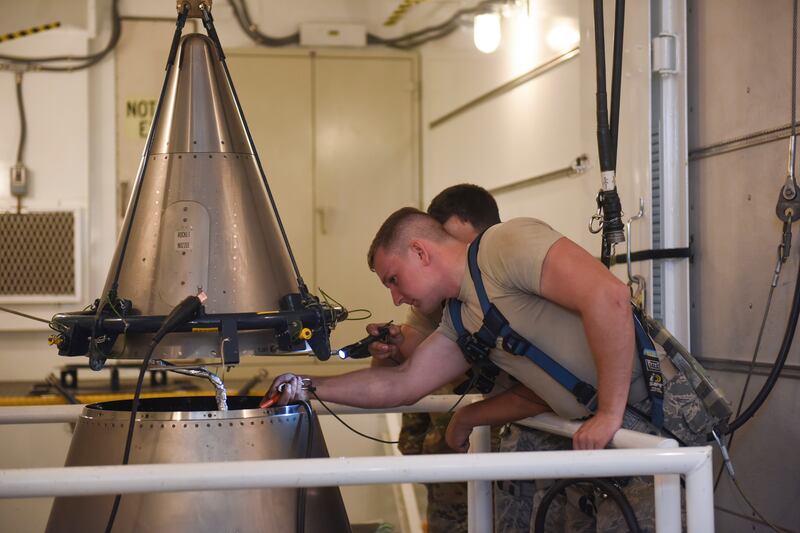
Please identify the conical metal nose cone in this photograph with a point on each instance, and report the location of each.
(200, 216)
(199, 112)
(244, 433)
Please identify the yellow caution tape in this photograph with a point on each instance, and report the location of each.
(400, 10)
(204, 330)
(30, 31)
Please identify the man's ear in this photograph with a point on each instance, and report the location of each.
(420, 250)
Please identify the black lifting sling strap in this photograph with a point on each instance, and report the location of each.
(477, 346)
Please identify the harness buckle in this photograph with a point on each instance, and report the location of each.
(515, 343)
(586, 394)
(474, 350)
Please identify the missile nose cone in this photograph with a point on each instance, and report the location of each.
(199, 113)
(200, 216)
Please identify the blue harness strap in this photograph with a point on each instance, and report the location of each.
(476, 347)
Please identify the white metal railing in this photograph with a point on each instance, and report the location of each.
(649, 455)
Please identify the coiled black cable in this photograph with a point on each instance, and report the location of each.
(613, 492)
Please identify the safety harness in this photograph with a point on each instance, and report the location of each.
(477, 346)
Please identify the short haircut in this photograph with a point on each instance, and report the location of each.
(401, 227)
(468, 202)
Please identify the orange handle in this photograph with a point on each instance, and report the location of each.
(269, 402)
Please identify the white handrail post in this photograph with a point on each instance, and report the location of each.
(480, 517)
(668, 503)
(700, 497)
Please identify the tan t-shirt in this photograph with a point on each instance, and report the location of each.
(510, 258)
(425, 323)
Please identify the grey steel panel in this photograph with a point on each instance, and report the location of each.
(735, 237)
(197, 434)
(764, 454)
(739, 60)
(739, 54)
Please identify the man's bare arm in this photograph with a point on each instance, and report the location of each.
(402, 342)
(574, 279)
(511, 405)
(437, 361)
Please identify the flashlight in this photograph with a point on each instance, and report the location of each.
(360, 349)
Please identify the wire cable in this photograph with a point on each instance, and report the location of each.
(35, 63)
(131, 424)
(794, 313)
(180, 314)
(750, 504)
(7, 310)
(752, 365)
(406, 41)
(348, 426)
(23, 123)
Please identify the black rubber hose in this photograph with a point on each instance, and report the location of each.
(23, 124)
(603, 132)
(616, 76)
(780, 361)
(182, 312)
(613, 492)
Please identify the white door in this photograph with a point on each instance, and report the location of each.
(366, 167)
(275, 93)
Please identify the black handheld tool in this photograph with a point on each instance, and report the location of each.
(360, 349)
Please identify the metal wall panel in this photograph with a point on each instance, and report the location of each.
(739, 55)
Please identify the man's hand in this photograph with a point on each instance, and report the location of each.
(596, 432)
(388, 349)
(288, 388)
(458, 432)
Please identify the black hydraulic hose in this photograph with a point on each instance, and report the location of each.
(616, 76)
(612, 491)
(603, 132)
(23, 129)
(183, 312)
(791, 325)
(780, 361)
(608, 201)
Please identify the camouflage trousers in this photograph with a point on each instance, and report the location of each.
(424, 433)
(581, 508)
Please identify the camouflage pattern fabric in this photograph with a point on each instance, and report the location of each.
(447, 502)
(582, 508)
(424, 433)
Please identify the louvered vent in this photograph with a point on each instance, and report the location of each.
(37, 255)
